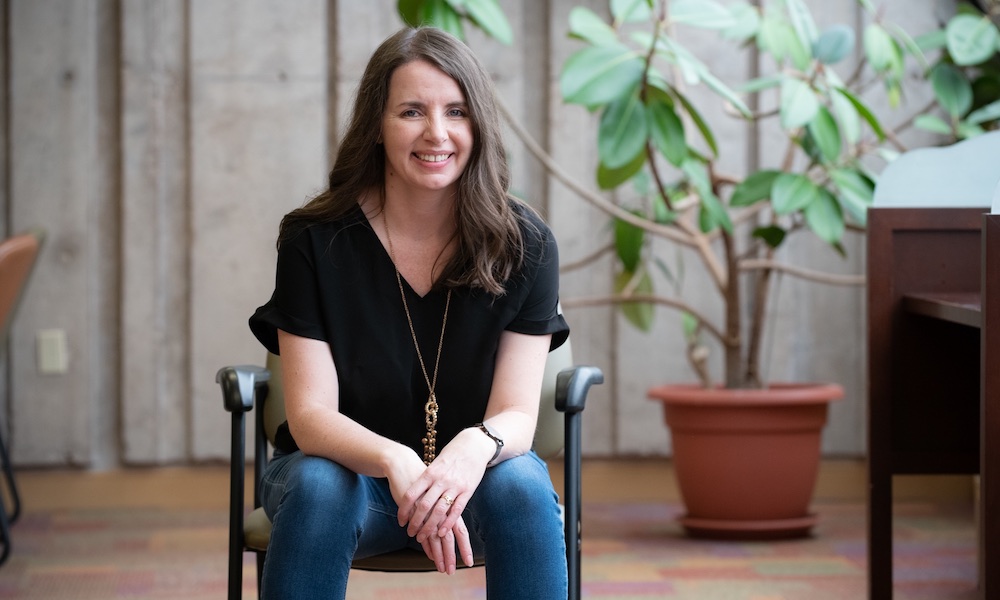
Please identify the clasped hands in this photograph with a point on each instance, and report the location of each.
(431, 500)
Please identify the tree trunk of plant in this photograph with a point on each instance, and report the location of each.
(732, 345)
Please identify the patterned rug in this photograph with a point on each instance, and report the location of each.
(631, 552)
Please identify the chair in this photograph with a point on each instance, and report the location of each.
(564, 391)
(17, 259)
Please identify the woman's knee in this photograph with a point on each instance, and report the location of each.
(517, 486)
(314, 484)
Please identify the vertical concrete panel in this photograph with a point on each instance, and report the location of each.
(63, 158)
(258, 100)
(155, 382)
(580, 229)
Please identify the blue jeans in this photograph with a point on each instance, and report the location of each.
(325, 515)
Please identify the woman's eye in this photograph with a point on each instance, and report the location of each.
(456, 112)
(410, 113)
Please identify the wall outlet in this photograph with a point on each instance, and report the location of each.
(53, 355)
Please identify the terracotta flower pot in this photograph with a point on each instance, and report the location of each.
(746, 460)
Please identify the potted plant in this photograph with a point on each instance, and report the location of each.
(738, 478)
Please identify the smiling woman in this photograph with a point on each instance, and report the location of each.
(414, 305)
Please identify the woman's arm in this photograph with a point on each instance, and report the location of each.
(319, 429)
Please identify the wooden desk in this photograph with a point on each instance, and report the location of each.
(934, 375)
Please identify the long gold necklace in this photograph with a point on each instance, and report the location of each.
(431, 407)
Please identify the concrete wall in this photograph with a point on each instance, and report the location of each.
(160, 141)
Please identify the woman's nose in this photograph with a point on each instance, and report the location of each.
(436, 130)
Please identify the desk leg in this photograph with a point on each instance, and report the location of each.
(989, 422)
(879, 533)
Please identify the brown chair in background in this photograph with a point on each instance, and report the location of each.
(17, 259)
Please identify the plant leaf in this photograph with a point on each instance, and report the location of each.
(971, 39)
(713, 214)
(442, 14)
(746, 22)
(792, 192)
(488, 16)
(700, 123)
(586, 25)
(756, 187)
(826, 134)
(666, 130)
(834, 44)
(952, 89)
(932, 123)
(772, 235)
(639, 314)
(850, 122)
(878, 47)
(630, 11)
(825, 218)
(856, 192)
(623, 132)
(802, 22)
(608, 179)
(600, 74)
(863, 111)
(984, 114)
(701, 13)
(798, 103)
(629, 241)
(409, 11)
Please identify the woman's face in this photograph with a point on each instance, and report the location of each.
(426, 130)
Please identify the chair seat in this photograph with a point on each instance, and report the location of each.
(257, 534)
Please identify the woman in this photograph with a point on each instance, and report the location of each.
(414, 306)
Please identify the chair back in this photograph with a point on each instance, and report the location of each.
(549, 433)
(17, 258)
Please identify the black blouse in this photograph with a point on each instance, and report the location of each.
(336, 283)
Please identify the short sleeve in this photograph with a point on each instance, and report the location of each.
(540, 313)
(294, 305)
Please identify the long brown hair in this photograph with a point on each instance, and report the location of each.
(490, 240)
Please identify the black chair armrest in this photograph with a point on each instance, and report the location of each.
(572, 386)
(239, 384)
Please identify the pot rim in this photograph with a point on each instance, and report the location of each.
(776, 393)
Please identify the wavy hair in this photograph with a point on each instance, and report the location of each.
(490, 239)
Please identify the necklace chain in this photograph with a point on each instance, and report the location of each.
(431, 407)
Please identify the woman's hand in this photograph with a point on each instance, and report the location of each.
(431, 507)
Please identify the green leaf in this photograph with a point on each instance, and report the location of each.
(746, 22)
(441, 14)
(825, 218)
(952, 89)
(609, 179)
(802, 22)
(713, 214)
(600, 74)
(639, 314)
(798, 103)
(700, 123)
(967, 130)
(756, 187)
(584, 24)
(850, 122)
(932, 123)
(777, 37)
(622, 132)
(630, 11)
(984, 114)
(761, 83)
(856, 192)
(879, 48)
(792, 192)
(701, 13)
(935, 40)
(826, 134)
(772, 235)
(488, 16)
(863, 111)
(409, 11)
(910, 44)
(667, 131)
(971, 39)
(835, 44)
(629, 241)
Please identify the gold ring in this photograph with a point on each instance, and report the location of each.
(447, 499)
